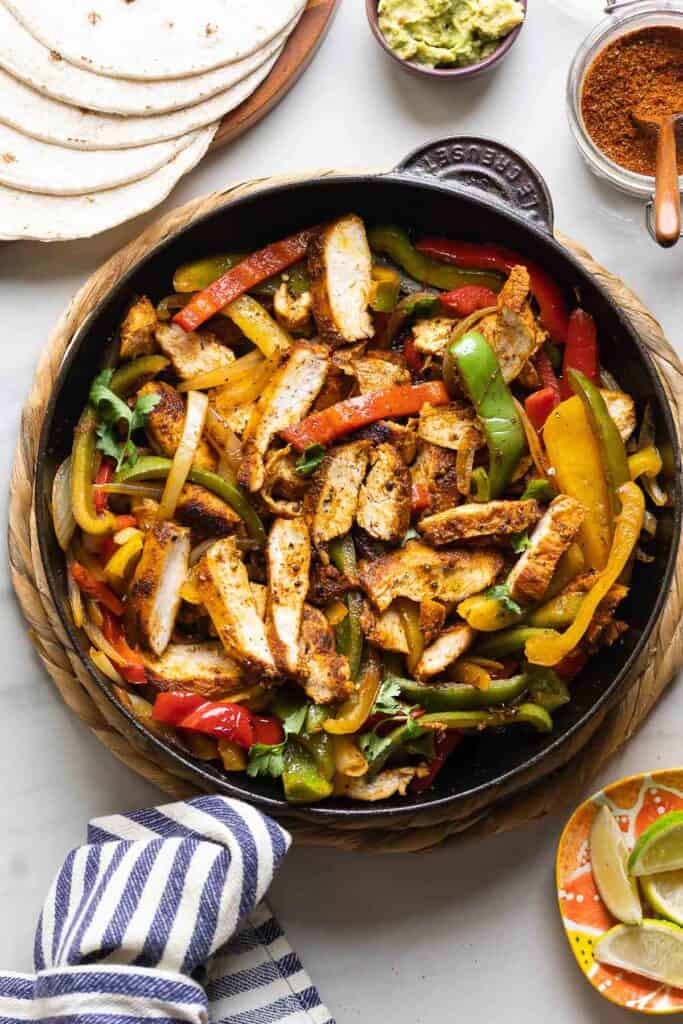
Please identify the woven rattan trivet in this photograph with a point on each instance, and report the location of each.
(432, 827)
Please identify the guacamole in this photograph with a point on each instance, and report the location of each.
(447, 31)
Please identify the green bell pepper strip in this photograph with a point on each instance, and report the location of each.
(302, 780)
(155, 467)
(131, 376)
(558, 613)
(83, 455)
(409, 305)
(610, 445)
(349, 634)
(528, 714)
(507, 641)
(480, 487)
(193, 277)
(459, 696)
(546, 688)
(470, 362)
(394, 242)
(397, 739)
(386, 288)
(540, 490)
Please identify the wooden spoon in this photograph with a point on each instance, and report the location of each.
(667, 194)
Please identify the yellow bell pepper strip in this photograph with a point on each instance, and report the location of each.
(348, 759)
(409, 613)
(258, 326)
(610, 445)
(132, 376)
(523, 714)
(348, 632)
(353, 712)
(646, 462)
(490, 611)
(386, 286)
(471, 674)
(471, 363)
(394, 242)
(508, 641)
(575, 457)
(120, 566)
(82, 471)
(552, 648)
(460, 696)
(155, 467)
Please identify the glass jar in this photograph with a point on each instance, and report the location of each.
(623, 17)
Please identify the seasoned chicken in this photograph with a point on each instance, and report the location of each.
(292, 312)
(260, 596)
(289, 560)
(192, 353)
(283, 488)
(434, 469)
(531, 575)
(324, 673)
(340, 266)
(384, 630)
(402, 436)
(286, 400)
(373, 371)
(154, 595)
(420, 573)
(448, 425)
(381, 787)
(432, 335)
(332, 500)
(432, 618)
(165, 424)
(205, 513)
(487, 519)
(137, 330)
(622, 409)
(203, 668)
(450, 646)
(604, 629)
(384, 498)
(223, 418)
(513, 332)
(223, 586)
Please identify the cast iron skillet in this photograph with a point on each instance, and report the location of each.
(465, 188)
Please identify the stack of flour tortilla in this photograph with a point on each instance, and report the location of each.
(105, 104)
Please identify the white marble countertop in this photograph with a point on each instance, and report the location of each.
(420, 936)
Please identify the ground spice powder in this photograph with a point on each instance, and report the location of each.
(642, 69)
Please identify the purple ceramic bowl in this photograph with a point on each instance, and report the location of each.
(467, 71)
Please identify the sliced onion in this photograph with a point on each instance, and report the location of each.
(62, 514)
(649, 523)
(195, 417)
(472, 320)
(654, 490)
(75, 598)
(535, 447)
(233, 373)
(642, 556)
(199, 550)
(104, 665)
(99, 640)
(134, 490)
(94, 612)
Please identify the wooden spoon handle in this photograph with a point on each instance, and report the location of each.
(667, 195)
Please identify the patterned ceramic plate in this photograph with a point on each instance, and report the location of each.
(635, 802)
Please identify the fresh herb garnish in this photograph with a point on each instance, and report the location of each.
(376, 748)
(310, 460)
(501, 593)
(266, 759)
(386, 702)
(520, 542)
(111, 411)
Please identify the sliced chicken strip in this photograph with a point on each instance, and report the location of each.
(289, 560)
(487, 519)
(532, 574)
(192, 353)
(137, 330)
(622, 409)
(154, 596)
(205, 513)
(325, 674)
(450, 646)
(340, 266)
(202, 668)
(332, 500)
(448, 425)
(165, 424)
(384, 499)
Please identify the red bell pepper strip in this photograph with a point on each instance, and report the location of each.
(105, 475)
(239, 279)
(419, 497)
(413, 357)
(539, 405)
(581, 351)
(495, 257)
(354, 413)
(223, 721)
(468, 299)
(267, 730)
(545, 371)
(172, 707)
(94, 588)
(122, 522)
(444, 745)
(134, 669)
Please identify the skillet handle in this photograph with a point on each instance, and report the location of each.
(484, 166)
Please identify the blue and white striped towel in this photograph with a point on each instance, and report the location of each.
(158, 919)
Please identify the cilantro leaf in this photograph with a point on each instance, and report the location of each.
(111, 412)
(310, 460)
(378, 749)
(386, 702)
(266, 759)
(293, 722)
(502, 594)
(520, 542)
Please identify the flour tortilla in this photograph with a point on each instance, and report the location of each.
(34, 114)
(27, 59)
(148, 39)
(57, 218)
(34, 166)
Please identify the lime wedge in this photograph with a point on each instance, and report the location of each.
(608, 863)
(664, 893)
(653, 949)
(660, 847)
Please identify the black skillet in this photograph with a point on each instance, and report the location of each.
(464, 188)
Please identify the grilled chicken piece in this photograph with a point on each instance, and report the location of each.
(223, 587)
(332, 500)
(402, 436)
(435, 469)
(448, 425)
(513, 332)
(381, 787)
(205, 513)
(154, 596)
(260, 595)
(531, 575)
(432, 335)
(488, 519)
(165, 424)
(420, 573)
(137, 330)
(283, 488)
(287, 398)
(324, 673)
(224, 417)
(622, 409)
(289, 560)
(450, 646)
(202, 668)
(327, 583)
(387, 631)
(384, 498)
(340, 265)
(374, 370)
(146, 511)
(432, 618)
(292, 312)
(192, 353)
(603, 629)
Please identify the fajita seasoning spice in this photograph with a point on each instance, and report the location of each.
(642, 69)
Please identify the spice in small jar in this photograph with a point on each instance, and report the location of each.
(640, 70)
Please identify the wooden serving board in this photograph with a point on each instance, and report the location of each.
(590, 748)
(299, 50)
